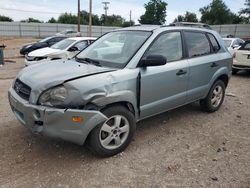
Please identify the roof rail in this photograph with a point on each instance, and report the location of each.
(191, 24)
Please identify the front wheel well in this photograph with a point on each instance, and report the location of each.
(126, 104)
(224, 78)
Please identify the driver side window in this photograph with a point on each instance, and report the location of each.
(81, 45)
(168, 45)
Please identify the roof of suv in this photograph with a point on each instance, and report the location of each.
(168, 27)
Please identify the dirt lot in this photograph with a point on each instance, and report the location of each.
(181, 148)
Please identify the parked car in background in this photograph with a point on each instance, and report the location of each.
(241, 57)
(46, 42)
(64, 49)
(69, 33)
(100, 97)
(233, 43)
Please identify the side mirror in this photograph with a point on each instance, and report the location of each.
(73, 49)
(153, 60)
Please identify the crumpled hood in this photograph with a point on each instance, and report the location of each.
(43, 52)
(46, 75)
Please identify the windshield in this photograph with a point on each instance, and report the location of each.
(115, 49)
(45, 39)
(63, 44)
(228, 43)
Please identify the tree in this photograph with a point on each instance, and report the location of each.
(246, 11)
(31, 20)
(156, 12)
(52, 20)
(113, 20)
(179, 18)
(216, 13)
(67, 18)
(85, 18)
(128, 23)
(188, 17)
(5, 19)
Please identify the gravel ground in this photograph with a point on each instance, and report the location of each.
(181, 148)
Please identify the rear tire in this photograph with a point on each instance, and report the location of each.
(215, 97)
(115, 134)
(234, 71)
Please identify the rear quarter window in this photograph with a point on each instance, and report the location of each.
(197, 44)
(214, 43)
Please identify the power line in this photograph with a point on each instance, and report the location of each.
(40, 12)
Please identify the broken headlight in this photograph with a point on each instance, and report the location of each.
(53, 97)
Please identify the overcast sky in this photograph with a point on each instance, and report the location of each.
(45, 9)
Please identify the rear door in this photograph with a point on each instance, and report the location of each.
(203, 61)
(164, 87)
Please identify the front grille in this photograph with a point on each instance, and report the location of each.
(22, 89)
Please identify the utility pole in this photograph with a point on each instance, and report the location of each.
(90, 18)
(78, 14)
(106, 7)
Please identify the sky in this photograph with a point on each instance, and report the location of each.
(45, 9)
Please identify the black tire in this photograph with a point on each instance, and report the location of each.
(95, 142)
(206, 104)
(234, 71)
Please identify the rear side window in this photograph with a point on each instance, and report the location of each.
(197, 44)
(245, 46)
(168, 45)
(214, 43)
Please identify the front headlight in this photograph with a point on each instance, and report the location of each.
(53, 97)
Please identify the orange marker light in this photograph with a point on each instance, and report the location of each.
(77, 119)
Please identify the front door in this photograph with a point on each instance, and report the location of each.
(164, 87)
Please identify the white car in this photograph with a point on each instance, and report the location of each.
(241, 60)
(64, 49)
(233, 44)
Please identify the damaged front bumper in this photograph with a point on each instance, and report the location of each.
(54, 122)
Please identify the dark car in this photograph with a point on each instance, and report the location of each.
(46, 42)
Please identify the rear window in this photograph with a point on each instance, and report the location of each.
(214, 42)
(245, 46)
(197, 44)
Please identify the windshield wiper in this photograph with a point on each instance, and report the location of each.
(92, 61)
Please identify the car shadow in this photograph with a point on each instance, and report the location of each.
(242, 74)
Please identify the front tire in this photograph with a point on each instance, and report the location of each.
(115, 134)
(215, 97)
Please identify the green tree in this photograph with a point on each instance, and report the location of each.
(67, 18)
(52, 20)
(5, 19)
(188, 17)
(216, 13)
(128, 23)
(179, 18)
(112, 20)
(156, 12)
(85, 18)
(246, 11)
(32, 20)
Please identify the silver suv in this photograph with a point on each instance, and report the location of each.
(125, 76)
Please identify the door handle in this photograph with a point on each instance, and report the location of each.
(214, 65)
(181, 72)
